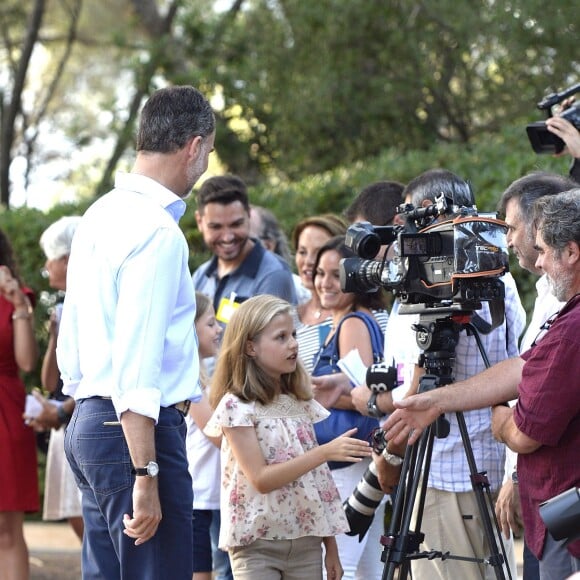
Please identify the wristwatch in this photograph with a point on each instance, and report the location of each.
(372, 407)
(62, 416)
(150, 470)
(391, 458)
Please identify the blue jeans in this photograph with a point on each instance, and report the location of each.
(556, 562)
(531, 565)
(221, 559)
(100, 460)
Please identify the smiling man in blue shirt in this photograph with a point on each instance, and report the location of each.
(127, 350)
(240, 267)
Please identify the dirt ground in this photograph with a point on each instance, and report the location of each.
(55, 565)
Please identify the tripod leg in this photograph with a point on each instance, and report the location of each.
(400, 541)
(484, 500)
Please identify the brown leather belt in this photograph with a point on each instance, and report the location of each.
(182, 407)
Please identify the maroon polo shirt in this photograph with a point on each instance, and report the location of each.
(548, 411)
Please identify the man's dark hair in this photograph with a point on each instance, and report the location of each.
(377, 203)
(558, 218)
(434, 182)
(222, 189)
(527, 189)
(171, 117)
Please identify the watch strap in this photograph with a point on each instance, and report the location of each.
(372, 407)
(150, 470)
(140, 471)
(392, 459)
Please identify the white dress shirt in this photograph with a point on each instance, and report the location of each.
(127, 328)
(545, 306)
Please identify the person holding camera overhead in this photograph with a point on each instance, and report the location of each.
(571, 136)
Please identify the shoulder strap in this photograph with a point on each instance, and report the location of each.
(377, 337)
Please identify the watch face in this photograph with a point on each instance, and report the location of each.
(152, 469)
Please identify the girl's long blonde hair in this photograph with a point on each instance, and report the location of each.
(238, 373)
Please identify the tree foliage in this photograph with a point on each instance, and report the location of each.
(305, 86)
(322, 83)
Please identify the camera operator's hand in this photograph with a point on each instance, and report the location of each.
(508, 509)
(413, 414)
(567, 132)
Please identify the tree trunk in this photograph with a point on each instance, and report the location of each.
(11, 110)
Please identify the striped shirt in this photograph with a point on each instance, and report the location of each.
(311, 337)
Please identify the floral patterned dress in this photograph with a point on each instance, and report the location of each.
(308, 506)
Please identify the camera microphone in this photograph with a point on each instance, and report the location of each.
(381, 378)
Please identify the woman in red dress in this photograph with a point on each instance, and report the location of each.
(18, 468)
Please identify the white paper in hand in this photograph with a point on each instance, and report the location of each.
(353, 367)
(32, 407)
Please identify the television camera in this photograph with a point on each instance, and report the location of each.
(453, 262)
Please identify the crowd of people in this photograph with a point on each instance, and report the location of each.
(211, 425)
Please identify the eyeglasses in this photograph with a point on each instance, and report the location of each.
(544, 328)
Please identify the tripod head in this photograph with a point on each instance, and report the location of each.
(437, 334)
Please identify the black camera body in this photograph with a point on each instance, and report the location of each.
(561, 514)
(455, 261)
(542, 140)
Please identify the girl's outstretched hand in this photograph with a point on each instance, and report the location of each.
(347, 448)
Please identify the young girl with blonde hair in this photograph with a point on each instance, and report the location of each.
(279, 502)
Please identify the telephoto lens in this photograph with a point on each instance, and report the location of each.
(360, 507)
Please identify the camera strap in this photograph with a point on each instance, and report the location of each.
(497, 311)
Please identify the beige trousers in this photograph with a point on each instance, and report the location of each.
(299, 559)
(452, 523)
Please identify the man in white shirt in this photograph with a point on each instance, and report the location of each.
(127, 350)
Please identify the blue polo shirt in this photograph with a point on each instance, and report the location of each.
(262, 272)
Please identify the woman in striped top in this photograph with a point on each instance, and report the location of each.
(311, 320)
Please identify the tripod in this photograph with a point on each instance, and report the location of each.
(438, 337)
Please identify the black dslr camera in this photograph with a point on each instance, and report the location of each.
(541, 139)
(561, 514)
